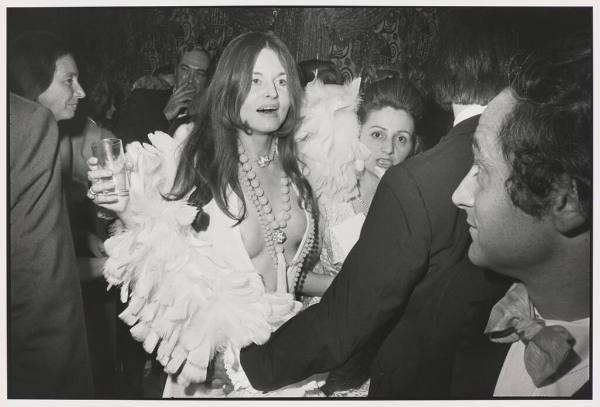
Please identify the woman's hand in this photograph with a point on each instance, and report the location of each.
(102, 183)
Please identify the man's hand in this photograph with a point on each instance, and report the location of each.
(216, 376)
(179, 100)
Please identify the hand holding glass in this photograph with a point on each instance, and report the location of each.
(110, 155)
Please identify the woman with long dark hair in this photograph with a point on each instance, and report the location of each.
(219, 228)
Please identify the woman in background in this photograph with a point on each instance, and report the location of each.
(47, 345)
(387, 115)
(378, 132)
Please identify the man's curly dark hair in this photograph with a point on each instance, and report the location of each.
(547, 138)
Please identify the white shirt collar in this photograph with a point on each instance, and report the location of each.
(467, 112)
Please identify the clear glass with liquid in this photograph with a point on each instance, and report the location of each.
(111, 156)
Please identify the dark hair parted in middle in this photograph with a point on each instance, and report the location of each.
(472, 57)
(31, 63)
(209, 160)
(391, 92)
(547, 137)
(396, 93)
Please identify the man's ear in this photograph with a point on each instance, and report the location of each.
(567, 214)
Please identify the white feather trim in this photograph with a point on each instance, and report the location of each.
(328, 139)
(184, 297)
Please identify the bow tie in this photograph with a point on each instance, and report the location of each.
(549, 350)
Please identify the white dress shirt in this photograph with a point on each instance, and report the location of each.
(466, 112)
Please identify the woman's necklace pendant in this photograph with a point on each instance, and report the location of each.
(280, 236)
(263, 161)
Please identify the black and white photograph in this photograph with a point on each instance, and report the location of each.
(299, 202)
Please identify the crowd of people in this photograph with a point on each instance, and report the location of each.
(286, 233)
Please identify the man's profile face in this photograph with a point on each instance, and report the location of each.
(192, 70)
(505, 238)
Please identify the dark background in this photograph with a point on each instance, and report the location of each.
(120, 44)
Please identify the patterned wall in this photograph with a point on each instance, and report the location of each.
(122, 44)
(358, 40)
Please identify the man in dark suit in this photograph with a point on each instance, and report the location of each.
(412, 242)
(47, 352)
(528, 204)
(148, 110)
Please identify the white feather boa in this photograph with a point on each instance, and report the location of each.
(328, 142)
(183, 297)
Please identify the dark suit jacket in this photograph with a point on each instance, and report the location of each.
(143, 114)
(47, 352)
(412, 241)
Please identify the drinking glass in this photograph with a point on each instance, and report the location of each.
(110, 155)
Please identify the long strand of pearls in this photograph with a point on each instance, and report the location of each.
(273, 226)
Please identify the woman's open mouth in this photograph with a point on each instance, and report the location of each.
(268, 109)
(384, 163)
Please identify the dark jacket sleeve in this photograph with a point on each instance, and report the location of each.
(390, 257)
(47, 352)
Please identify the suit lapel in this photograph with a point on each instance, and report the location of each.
(478, 360)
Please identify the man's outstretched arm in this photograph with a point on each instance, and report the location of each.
(374, 284)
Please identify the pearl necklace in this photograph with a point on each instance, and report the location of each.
(273, 226)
